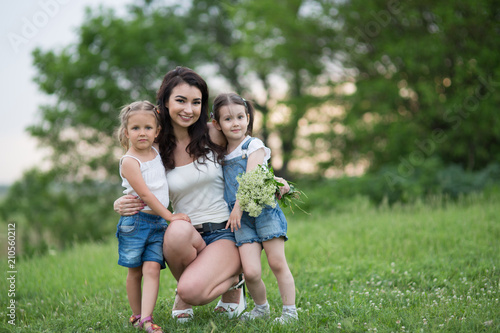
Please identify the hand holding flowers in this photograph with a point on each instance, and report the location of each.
(259, 189)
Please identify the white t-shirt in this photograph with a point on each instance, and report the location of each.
(198, 191)
(254, 145)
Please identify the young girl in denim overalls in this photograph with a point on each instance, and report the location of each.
(234, 117)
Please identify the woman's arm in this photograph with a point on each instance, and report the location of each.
(128, 205)
(216, 135)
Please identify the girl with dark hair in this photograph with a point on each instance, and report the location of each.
(267, 230)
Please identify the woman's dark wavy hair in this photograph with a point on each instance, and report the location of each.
(200, 145)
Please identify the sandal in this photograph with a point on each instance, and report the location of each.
(182, 316)
(134, 320)
(153, 328)
(233, 310)
(239, 284)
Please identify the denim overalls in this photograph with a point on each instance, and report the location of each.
(271, 223)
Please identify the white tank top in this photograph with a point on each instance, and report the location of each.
(154, 176)
(198, 191)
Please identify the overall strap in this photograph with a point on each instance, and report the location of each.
(244, 148)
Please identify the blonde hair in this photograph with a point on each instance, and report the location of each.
(125, 114)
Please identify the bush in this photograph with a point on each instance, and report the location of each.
(388, 186)
(50, 213)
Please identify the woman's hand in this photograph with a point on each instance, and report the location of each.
(283, 189)
(128, 205)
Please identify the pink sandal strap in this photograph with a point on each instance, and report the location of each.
(154, 328)
(134, 320)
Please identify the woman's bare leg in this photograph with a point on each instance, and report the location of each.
(181, 245)
(211, 274)
(203, 272)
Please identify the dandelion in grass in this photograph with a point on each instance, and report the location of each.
(258, 189)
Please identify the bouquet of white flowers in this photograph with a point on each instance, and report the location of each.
(258, 189)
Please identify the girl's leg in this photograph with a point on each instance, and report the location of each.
(134, 278)
(250, 260)
(151, 273)
(275, 251)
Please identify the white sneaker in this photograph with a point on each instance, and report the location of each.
(287, 318)
(256, 313)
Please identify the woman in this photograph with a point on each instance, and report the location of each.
(201, 255)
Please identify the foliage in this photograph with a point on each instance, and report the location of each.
(413, 268)
(405, 89)
(426, 81)
(427, 182)
(115, 61)
(290, 46)
(52, 214)
(3, 191)
(424, 73)
(119, 59)
(259, 189)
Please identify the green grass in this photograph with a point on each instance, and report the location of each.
(423, 268)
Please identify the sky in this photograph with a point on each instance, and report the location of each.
(25, 25)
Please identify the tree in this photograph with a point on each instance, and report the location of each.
(120, 59)
(426, 77)
(52, 213)
(254, 48)
(116, 60)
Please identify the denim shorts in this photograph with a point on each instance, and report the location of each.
(212, 236)
(271, 223)
(140, 239)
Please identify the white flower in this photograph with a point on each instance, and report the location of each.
(257, 190)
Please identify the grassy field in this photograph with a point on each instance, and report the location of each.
(430, 267)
